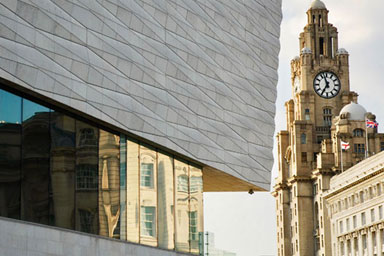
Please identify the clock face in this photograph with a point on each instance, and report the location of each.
(326, 84)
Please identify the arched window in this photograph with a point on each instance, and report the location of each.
(358, 133)
(327, 116)
(303, 138)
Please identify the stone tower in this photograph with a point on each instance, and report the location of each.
(308, 150)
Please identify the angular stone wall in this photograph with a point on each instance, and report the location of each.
(198, 77)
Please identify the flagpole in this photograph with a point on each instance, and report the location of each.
(366, 137)
(341, 155)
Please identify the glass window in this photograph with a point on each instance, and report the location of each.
(132, 191)
(63, 155)
(196, 209)
(380, 212)
(148, 219)
(109, 185)
(10, 108)
(165, 190)
(358, 133)
(327, 117)
(356, 244)
(182, 207)
(35, 186)
(342, 248)
(86, 196)
(364, 240)
(347, 223)
(10, 155)
(341, 226)
(354, 221)
(372, 215)
(123, 187)
(148, 195)
(87, 177)
(303, 138)
(146, 179)
(363, 218)
(303, 157)
(307, 116)
(359, 148)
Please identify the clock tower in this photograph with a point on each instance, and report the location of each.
(307, 154)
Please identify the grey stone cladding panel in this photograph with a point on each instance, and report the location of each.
(19, 238)
(198, 77)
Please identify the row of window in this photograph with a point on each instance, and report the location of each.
(58, 170)
(359, 245)
(357, 198)
(347, 226)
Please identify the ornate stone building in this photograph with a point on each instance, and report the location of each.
(355, 204)
(323, 112)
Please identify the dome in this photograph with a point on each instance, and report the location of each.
(317, 4)
(342, 51)
(356, 111)
(306, 50)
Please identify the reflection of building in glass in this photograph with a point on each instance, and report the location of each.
(71, 174)
(116, 116)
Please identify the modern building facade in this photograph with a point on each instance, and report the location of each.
(116, 116)
(322, 113)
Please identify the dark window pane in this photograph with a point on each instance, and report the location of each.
(109, 185)
(10, 154)
(86, 178)
(35, 184)
(63, 155)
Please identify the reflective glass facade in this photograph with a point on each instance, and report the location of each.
(59, 170)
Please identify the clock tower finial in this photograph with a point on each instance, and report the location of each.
(319, 35)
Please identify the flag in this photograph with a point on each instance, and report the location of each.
(371, 124)
(344, 145)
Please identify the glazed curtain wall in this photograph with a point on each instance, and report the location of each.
(60, 171)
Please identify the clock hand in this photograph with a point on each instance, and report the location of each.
(323, 90)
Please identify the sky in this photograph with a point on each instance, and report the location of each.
(246, 224)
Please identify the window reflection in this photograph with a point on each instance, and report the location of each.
(63, 154)
(148, 196)
(75, 175)
(35, 185)
(109, 188)
(10, 158)
(123, 188)
(10, 108)
(132, 191)
(86, 169)
(196, 209)
(182, 206)
(165, 195)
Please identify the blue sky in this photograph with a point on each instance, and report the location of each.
(246, 224)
